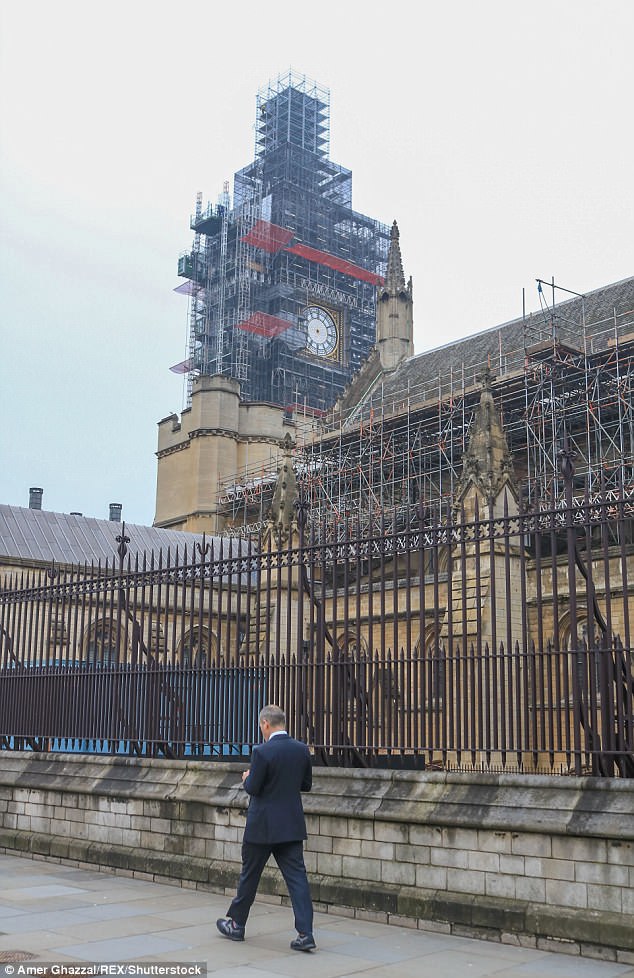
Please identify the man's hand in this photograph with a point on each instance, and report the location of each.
(245, 775)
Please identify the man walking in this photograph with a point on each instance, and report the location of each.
(280, 770)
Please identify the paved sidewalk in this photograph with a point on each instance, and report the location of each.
(61, 914)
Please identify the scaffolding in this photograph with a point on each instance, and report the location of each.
(581, 391)
(562, 376)
(289, 241)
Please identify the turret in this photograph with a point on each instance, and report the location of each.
(394, 319)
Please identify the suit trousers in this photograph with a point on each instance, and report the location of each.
(289, 856)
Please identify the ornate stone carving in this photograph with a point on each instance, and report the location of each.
(282, 513)
(487, 463)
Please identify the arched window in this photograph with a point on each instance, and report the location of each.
(443, 560)
(103, 644)
(348, 646)
(199, 648)
(432, 671)
(581, 646)
(352, 677)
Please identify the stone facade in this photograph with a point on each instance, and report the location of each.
(216, 437)
(523, 859)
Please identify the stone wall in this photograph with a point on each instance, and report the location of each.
(534, 860)
(216, 438)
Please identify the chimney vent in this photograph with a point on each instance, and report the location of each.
(76, 514)
(35, 497)
(115, 512)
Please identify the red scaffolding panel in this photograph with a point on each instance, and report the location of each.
(273, 238)
(183, 367)
(269, 237)
(338, 264)
(264, 324)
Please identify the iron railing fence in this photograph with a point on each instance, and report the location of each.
(492, 638)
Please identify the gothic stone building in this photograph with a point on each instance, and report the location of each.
(505, 429)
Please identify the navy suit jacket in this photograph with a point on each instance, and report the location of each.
(280, 769)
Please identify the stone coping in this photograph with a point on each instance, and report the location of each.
(560, 805)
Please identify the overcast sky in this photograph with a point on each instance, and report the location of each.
(499, 134)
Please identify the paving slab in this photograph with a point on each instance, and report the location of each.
(56, 913)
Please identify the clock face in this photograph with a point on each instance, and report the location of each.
(321, 331)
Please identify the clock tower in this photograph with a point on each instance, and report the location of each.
(283, 277)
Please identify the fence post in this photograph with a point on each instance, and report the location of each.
(566, 456)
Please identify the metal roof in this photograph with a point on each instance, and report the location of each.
(42, 537)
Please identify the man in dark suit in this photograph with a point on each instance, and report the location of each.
(280, 770)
